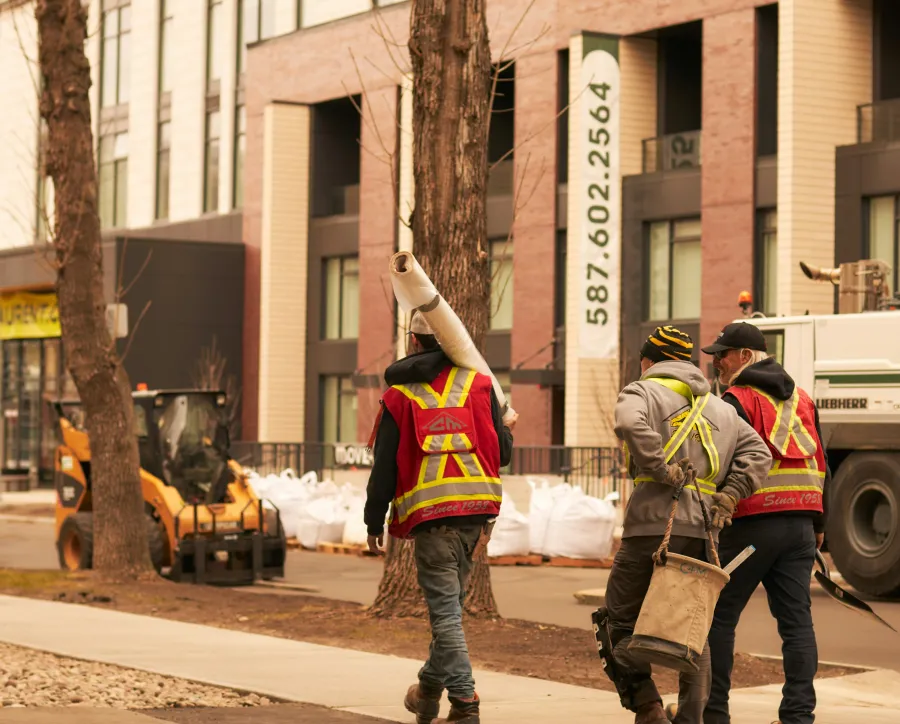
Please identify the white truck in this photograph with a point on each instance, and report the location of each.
(850, 364)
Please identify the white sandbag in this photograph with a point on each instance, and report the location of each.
(543, 498)
(580, 527)
(511, 532)
(355, 531)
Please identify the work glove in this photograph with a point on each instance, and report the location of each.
(677, 472)
(722, 509)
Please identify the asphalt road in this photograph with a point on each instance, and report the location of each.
(542, 594)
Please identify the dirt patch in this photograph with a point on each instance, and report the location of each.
(555, 653)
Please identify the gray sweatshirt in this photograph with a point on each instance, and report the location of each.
(647, 415)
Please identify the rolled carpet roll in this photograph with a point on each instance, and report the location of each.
(414, 290)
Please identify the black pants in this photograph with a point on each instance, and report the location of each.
(626, 588)
(783, 561)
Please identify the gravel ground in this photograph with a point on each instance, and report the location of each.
(36, 678)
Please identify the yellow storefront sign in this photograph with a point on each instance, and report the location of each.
(28, 315)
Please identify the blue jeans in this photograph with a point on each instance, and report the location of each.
(783, 563)
(443, 564)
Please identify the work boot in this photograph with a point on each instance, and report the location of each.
(425, 705)
(671, 711)
(651, 714)
(462, 712)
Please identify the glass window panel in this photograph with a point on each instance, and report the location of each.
(251, 21)
(124, 82)
(107, 195)
(329, 409)
(110, 68)
(770, 265)
(501, 285)
(333, 298)
(121, 172)
(125, 19)
(267, 18)
(120, 146)
(167, 47)
(686, 229)
(658, 306)
(347, 431)
(240, 149)
(215, 41)
(881, 229)
(350, 299)
(162, 185)
(211, 200)
(686, 260)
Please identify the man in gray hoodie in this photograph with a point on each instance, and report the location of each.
(731, 461)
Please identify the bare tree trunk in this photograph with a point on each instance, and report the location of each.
(451, 63)
(121, 548)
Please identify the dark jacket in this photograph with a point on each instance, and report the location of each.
(771, 378)
(420, 367)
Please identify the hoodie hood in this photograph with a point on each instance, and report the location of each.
(770, 377)
(419, 367)
(685, 372)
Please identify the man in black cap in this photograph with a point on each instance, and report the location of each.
(784, 520)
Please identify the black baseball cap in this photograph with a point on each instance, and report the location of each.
(739, 335)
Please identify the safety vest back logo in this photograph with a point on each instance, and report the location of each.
(444, 424)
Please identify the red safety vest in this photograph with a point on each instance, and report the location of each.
(448, 459)
(797, 475)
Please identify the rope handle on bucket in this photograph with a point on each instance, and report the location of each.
(659, 558)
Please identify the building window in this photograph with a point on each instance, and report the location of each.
(162, 170)
(211, 173)
(166, 45)
(501, 284)
(341, 307)
(240, 146)
(113, 167)
(214, 42)
(45, 191)
(674, 270)
(338, 409)
(882, 237)
(766, 297)
(115, 61)
(256, 21)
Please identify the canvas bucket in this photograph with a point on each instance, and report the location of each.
(677, 611)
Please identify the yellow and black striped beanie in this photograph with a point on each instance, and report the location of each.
(668, 343)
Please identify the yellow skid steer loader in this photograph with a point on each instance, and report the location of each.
(204, 522)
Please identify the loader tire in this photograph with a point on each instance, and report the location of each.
(863, 522)
(156, 538)
(76, 542)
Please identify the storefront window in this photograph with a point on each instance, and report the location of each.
(338, 409)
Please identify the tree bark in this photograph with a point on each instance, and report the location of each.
(121, 548)
(451, 63)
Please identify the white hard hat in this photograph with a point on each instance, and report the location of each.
(418, 324)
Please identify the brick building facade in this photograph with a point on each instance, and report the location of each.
(728, 115)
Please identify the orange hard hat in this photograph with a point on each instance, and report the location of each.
(141, 386)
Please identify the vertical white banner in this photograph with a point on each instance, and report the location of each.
(599, 198)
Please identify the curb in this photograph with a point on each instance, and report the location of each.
(842, 664)
(26, 518)
(278, 585)
(591, 597)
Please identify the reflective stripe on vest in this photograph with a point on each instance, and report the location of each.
(694, 420)
(788, 429)
(432, 486)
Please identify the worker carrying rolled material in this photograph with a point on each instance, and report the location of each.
(669, 422)
(415, 291)
(439, 445)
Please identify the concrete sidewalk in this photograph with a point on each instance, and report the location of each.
(365, 683)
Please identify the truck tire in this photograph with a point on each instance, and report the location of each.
(76, 542)
(863, 527)
(156, 537)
